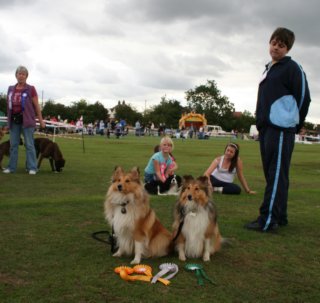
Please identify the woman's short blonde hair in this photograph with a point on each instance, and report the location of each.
(167, 139)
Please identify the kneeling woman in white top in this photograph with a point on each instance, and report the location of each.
(223, 169)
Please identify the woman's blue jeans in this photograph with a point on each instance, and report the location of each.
(15, 132)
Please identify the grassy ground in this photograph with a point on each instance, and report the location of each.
(46, 221)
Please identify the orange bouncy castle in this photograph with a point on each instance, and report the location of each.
(196, 120)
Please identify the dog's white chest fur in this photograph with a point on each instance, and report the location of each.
(194, 228)
(123, 221)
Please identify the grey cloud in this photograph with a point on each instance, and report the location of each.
(9, 3)
(8, 62)
(173, 10)
(165, 81)
(138, 48)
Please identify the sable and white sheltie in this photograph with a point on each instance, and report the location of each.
(137, 230)
(195, 221)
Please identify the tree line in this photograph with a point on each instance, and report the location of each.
(204, 99)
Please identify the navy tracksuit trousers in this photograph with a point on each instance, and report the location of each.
(276, 147)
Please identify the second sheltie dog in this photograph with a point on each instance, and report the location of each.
(137, 230)
(195, 221)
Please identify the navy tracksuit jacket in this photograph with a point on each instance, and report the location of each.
(282, 105)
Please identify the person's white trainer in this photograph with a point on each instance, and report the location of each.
(32, 172)
(7, 171)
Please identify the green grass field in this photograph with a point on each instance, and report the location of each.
(47, 253)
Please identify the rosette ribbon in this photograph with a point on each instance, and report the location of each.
(200, 273)
(165, 268)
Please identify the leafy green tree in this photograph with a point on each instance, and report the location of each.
(79, 109)
(167, 112)
(90, 112)
(243, 122)
(309, 125)
(52, 109)
(207, 99)
(128, 113)
(96, 111)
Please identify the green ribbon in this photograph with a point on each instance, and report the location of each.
(200, 273)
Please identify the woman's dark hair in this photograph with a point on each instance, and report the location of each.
(234, 160)
(284, 35)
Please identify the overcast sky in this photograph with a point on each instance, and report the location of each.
(141, 50)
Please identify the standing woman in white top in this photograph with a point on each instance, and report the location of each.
(223, 169)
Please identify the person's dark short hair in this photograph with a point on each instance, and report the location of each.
(284, 35)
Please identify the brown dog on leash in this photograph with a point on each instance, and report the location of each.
(5, 150)
(45, 148)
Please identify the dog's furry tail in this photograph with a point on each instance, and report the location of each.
(225, 242)
(221, 243)
(217, 239)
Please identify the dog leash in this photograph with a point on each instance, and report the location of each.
(111, 238)
(182, 215)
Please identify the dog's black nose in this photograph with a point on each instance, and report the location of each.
(189, 197)
(119, 187)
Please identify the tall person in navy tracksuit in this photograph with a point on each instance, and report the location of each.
(282, 105)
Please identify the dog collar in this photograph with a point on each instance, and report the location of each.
(123, 207)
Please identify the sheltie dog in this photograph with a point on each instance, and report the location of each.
(195, 221)
(137, 230)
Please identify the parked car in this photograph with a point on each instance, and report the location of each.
(214, 131)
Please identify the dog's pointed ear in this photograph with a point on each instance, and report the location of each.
(187, 178)
(204, 184)
(118, 170)
(135, 171)
(203, 180)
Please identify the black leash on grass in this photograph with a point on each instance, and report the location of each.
(110, 239)
(182, 216)
(179, 231)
